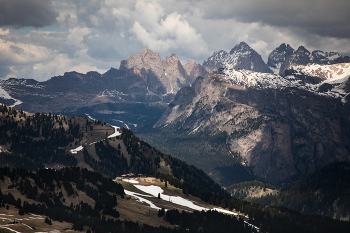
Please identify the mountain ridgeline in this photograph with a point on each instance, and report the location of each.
(242, 56)
(325, 191)
(142, 85)
(34, 141)
(136, 94)
(276, 129)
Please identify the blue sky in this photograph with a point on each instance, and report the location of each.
(42, 38)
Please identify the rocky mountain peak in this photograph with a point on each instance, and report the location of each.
(242, 56)
(301, 57)
(278, 56)
(147, 53)
(133, 61)
(321, 57)
(169, 73)
(241, 48)
(194, 70)
(302, 49)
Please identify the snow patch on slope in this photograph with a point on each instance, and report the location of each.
(335, 75)
(335, 72)
(5, 95)
(80, 148)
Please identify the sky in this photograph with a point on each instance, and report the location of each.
(40, 39)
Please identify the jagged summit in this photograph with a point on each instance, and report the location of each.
(169, 73)
(241, 48)
(242, 56)
(284, 56)
(278, 56)
(144, 77)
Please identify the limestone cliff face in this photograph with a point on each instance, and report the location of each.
(165, 76)
(280, 133)
(194, 70)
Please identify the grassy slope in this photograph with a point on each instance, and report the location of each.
(37, 222)
(251, 189)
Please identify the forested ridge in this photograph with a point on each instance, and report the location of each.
(145, 159)
(50, 191)
(32, 140)
(325, 191)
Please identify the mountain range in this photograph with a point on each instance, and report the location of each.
(234, 117)
(242, 56)
(145, 78)
(256, 124)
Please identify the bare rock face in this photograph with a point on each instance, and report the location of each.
(194, 70)
(278, 132)
(278, 56)
(170, 73)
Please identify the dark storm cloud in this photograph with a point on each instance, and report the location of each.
(322, 17)
(26, 13)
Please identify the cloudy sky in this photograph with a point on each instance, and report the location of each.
(42, 38)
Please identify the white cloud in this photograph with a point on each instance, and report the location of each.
(171, 32)
(98, 34)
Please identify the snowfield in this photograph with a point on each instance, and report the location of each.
(155, 190)
(130, 181)
(141, 199)
(336, 72)
(116, 132)
(5, 95)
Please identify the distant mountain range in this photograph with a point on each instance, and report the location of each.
(242, 56)
(133, 95)
(242, 122)
(252, 123)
